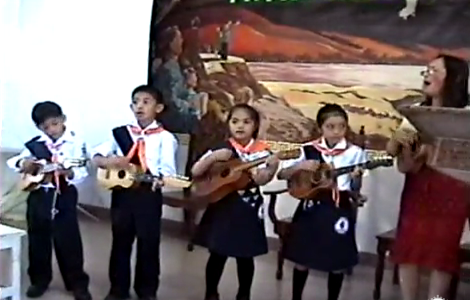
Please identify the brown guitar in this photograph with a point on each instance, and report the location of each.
(44, 173)
(224, 178)
(307, 184)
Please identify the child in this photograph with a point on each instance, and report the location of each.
(322, 232)
(198, 101)
(233, 226)
(53, 221)
(137, 212)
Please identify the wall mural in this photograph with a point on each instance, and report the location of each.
(288, 58)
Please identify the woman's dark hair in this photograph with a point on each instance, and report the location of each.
(329, 110)
(45, 110)
(251, 111)
(164, 40)
(455, 88)
(156, 94)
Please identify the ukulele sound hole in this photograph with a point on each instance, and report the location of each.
(317, 177)
(328, 174)
(121, 174)
(225, 173)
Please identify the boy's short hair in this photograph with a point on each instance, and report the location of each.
(156, 94)
(43, 111)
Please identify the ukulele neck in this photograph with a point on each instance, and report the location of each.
(48, 168)
(149, 178)
(250, 164)
(350, 169)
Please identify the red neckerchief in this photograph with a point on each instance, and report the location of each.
(252, 147)
(330, 152)
(54, 159)
(319, 145)
(139, 145)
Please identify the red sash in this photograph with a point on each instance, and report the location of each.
(139, 145)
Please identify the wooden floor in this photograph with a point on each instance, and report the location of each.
(182, 276)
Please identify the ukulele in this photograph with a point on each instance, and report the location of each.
(224, 178)
(133, 175)
(306, 184)
(44, 172)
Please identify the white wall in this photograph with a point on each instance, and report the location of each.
(87, 55)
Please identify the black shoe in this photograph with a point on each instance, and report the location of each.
(36, 291)
(148, 298)
(212, 297)
(82, 295)
(112, 297)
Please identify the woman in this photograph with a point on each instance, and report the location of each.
(434, 207)
(180, 115)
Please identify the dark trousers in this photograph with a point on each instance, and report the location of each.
(223, 50)
(63, 232)
(135, 213)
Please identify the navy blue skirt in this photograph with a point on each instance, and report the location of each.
(233, 227)
(322, 236)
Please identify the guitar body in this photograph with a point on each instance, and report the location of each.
(307, 184)
(30, 182)
(111, 178)
(221, 180)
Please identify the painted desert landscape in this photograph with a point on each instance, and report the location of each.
(289, 62)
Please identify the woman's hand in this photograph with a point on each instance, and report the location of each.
(405, 137)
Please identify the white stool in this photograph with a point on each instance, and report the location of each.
(10, 247)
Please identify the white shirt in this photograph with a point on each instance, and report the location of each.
(351, 156)
(160, 150)
(68, 146)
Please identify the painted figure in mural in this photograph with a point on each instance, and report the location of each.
(180, 114)
(432, 216)
(197, 100)
(225, 37)
(234, 226)
(409, 10)
(322, 234)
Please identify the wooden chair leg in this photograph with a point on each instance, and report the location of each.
(454, 284)
(379, 270)
(280, 261)
(395, 279)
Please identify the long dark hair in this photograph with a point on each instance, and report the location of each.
(164, 41)
(251, 111)
(455, 88)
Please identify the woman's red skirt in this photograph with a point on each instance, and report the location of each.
(434, 209)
